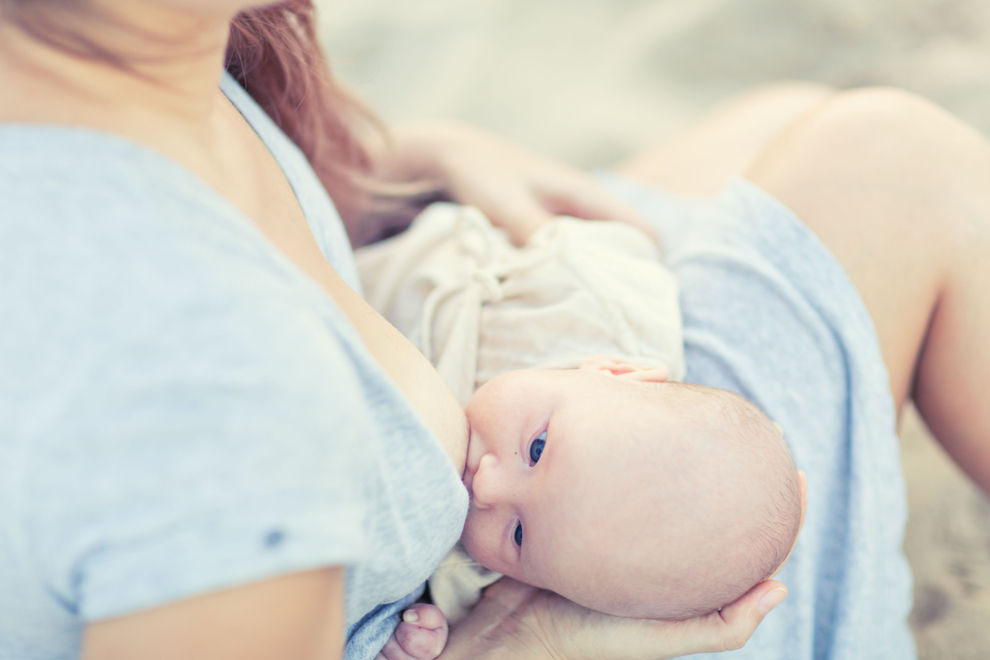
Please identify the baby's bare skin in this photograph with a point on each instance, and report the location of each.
(421, 635)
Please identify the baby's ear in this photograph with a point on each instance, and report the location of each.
(625, 369)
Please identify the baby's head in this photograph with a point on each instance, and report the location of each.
(627, 494)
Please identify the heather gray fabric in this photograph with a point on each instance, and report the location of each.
(181, 409)
(770, 314)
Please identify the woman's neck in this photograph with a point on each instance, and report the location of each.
(169, 66)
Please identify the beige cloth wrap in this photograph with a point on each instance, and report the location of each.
(477, 306)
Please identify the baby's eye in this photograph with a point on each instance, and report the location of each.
(536, 448)
(517, 535)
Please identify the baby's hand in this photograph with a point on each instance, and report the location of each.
(421, 635)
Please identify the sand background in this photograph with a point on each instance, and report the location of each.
(589, 81)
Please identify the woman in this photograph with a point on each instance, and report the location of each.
(171, 484)
(195, 440)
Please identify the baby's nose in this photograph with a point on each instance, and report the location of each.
(486, 486)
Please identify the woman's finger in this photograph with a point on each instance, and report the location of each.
(519, 215)
(585, 198)
(728, 629)
(732, 626)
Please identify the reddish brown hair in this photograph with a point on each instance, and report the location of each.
(275, 55)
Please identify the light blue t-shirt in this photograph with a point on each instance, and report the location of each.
(181, 409)
(770, 314)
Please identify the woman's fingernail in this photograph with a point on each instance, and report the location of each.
(410, 616)
(771, 600)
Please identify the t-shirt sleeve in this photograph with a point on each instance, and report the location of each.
(220, 440)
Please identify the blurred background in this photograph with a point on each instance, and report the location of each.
(591, 81)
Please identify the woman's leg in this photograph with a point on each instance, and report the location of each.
(699, 160)
(900, 192)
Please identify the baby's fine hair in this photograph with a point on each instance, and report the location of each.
(746, 431)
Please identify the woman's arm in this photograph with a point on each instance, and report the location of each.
(294, 616)
(516, 189)
(514, 620)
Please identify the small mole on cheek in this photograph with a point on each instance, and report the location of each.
(273, 538)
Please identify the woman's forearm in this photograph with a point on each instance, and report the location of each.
(514, 620)
(299, 615)
(419, 151)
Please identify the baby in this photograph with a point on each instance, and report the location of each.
(598, 479)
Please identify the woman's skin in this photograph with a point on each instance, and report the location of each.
(170, 102)
(700, 158)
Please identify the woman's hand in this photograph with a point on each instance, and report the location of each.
(516, 189)
(514, 620)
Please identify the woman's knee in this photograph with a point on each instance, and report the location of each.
(878, 165)
(887, 180)
(885, 134)
(866, 110)
(803, 93)
(877, 152)
(724, 142)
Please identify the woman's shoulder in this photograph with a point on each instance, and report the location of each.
(57, 171)
(99, 205)
(107, 246)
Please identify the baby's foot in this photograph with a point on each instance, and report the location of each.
(421, 635)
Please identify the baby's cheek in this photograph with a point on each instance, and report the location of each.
(481, 540)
